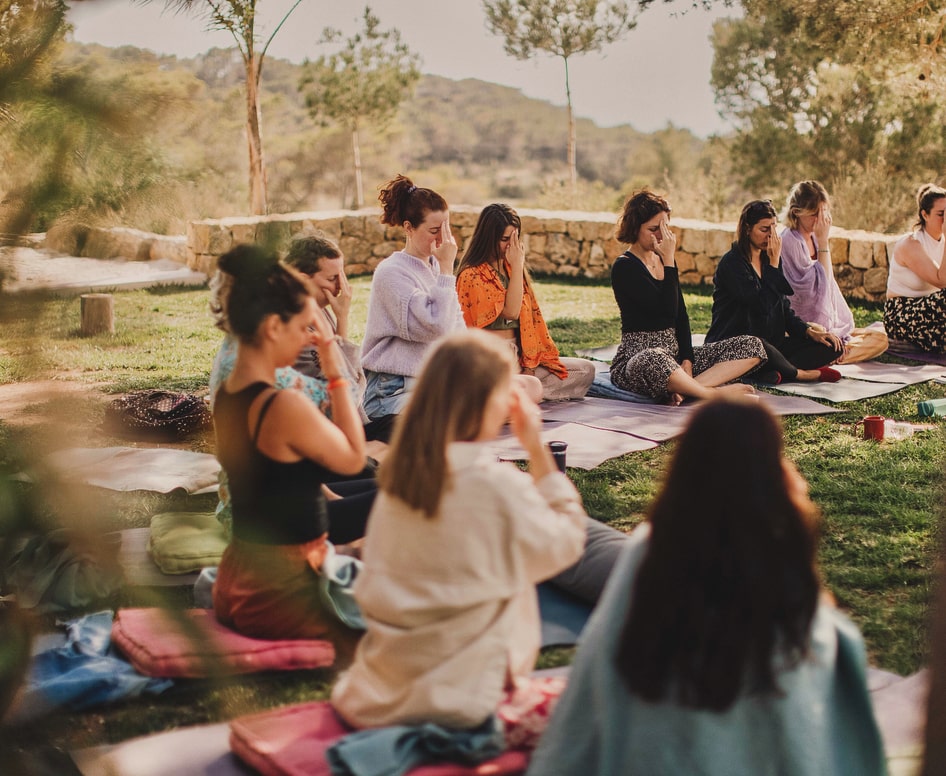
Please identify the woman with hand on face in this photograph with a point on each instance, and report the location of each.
(806, 264)
(277, 449)
(915, 309)
(413, 298)
(496, 295)
(751, 296)
(656, 356)
(456, 544)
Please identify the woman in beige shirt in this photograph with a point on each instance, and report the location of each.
(455, 546)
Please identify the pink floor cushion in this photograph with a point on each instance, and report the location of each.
(292, 741)
(191, 643)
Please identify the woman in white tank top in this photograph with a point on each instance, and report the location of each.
(915, 309)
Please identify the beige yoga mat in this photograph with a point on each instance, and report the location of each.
(587, 447)
(131, 468)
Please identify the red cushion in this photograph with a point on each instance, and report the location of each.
(191, 643)
(292, 740)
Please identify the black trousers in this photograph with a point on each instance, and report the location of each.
(348, 515)
(792, 354)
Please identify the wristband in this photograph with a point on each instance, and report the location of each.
(337, 382)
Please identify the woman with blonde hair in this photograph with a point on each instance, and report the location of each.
(806, 264)
(915, 310)
(455, 546)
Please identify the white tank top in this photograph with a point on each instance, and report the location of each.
(905, 282)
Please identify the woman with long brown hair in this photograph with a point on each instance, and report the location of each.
(713, 650)
(496, 295)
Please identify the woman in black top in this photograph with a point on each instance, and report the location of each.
(656, 356)
(277, 449)
(751, 297)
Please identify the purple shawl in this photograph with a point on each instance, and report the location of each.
(817, 296)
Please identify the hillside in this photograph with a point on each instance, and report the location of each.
(470, 139)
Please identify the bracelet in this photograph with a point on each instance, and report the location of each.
(337, 382)
(824, 250)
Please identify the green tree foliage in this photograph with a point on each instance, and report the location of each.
(238, 17)
(562, 28)
(71, 139)
(362, 84)
(846, 91)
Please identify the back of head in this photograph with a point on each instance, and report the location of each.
(306, 253)
(402, 201)
(259, 286)
(752, 213)
(640, 207)
(728, 581)
(804, 200)
(484, 244)
(456, 380)
(926, 196)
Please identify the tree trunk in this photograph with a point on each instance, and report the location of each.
(572, 142)
(254, 137)
(98, 314)
(356, 153)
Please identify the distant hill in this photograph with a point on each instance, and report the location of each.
(470, 139)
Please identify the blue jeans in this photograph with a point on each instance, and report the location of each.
(386, 394)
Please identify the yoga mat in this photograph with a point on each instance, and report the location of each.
(654, 422)
(563, 616)
(877, 372)
(140, 569)
(587, 447)
(843, 390)
(900, 711)
(132, 468)
(794, 405)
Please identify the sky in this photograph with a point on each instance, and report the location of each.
(658, 73)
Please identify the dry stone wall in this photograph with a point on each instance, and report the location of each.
(564, 244)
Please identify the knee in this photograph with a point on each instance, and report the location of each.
(531, 385)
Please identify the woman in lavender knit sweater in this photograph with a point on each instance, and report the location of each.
(413, 295)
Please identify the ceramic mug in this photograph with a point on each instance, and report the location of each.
(873, 427)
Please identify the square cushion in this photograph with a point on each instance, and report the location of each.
(191, 643)
(182, 542)
(292, 741)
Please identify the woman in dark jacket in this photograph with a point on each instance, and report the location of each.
(751, 297)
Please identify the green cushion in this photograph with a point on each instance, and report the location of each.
(183, 542)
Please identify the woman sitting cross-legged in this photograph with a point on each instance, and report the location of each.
(455, 546)
(915, 309)
(712, 650)
(277, 448)
(750, 296)
(656, 356)
(496, 295)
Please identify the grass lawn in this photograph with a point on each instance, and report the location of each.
(880, 503)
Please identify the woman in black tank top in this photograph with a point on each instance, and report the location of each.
(277, 449)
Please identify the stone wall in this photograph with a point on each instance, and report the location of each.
(566, 244)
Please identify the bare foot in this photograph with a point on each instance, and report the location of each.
(675, 400)
(736, 389)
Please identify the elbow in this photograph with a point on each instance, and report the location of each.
(350, 464)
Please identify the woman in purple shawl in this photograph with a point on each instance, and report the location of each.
(806, 264)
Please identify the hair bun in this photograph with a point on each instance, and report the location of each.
(248, 261)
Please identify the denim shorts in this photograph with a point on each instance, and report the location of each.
(386, 394)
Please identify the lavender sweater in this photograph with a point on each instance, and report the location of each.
(411, 305)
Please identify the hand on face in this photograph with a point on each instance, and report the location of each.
(822, 226)
(774, 247)
(525, 417)
(340, 301)
(515, 253)
(665, 243)
(445, 247)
